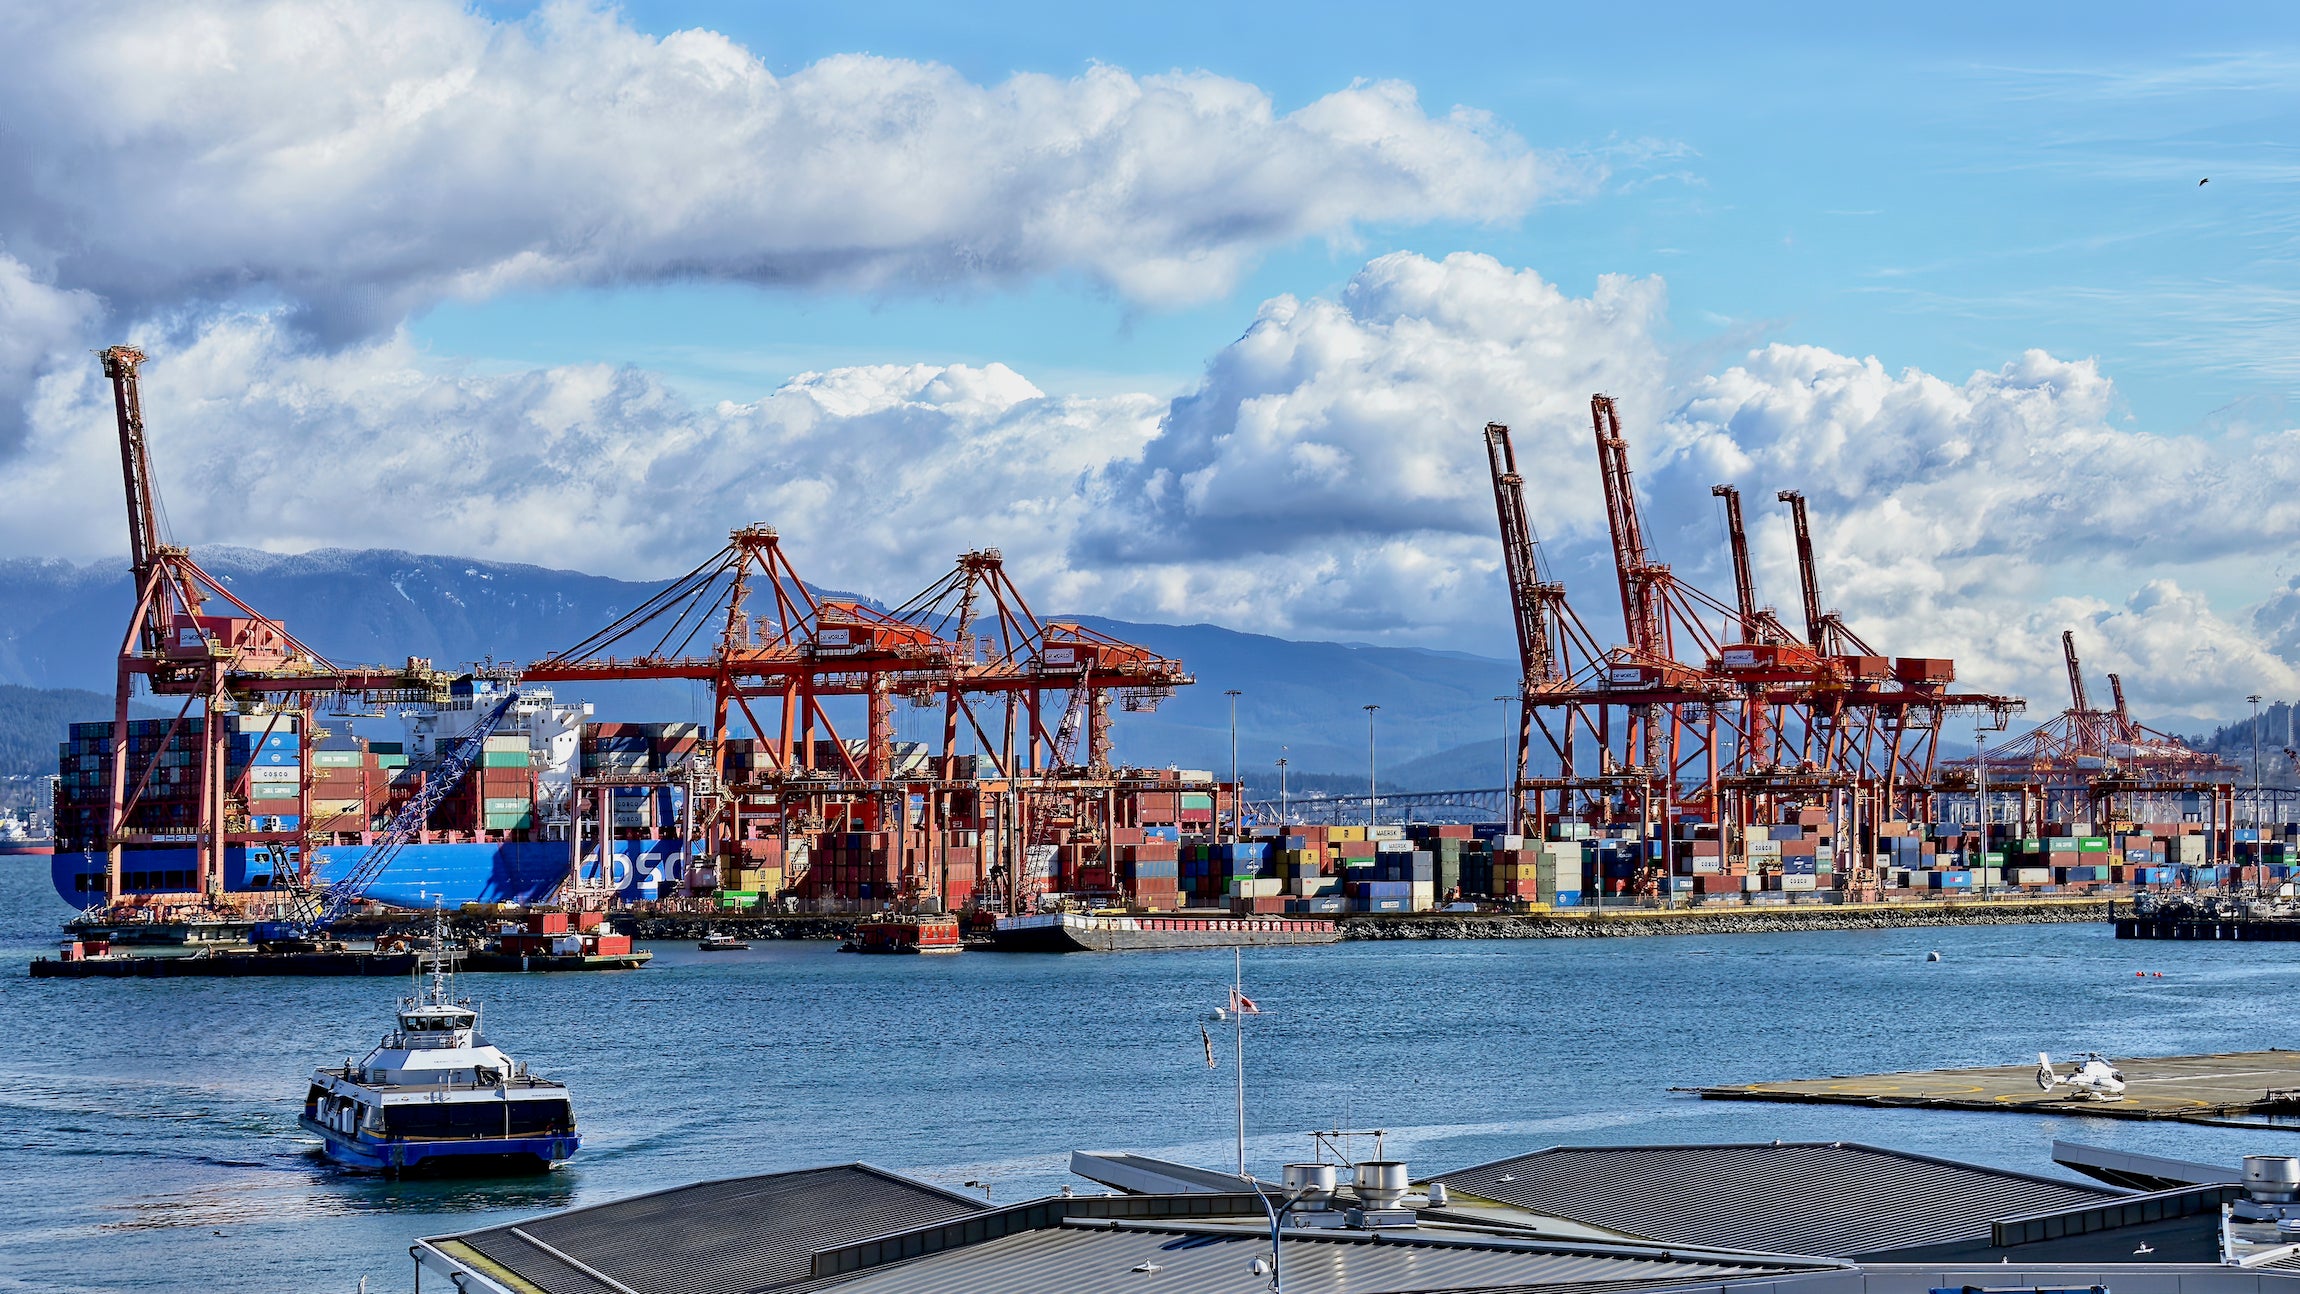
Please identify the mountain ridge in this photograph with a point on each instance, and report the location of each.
(61, 624)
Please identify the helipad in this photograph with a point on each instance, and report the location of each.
(2156, 1087)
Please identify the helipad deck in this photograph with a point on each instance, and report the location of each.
(2156, 1087)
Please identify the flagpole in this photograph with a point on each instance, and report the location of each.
(1238, 997)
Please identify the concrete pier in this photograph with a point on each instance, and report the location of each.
(2211, 1087)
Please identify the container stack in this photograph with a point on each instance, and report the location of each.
(857, 867)
(1147, 861)
(263, 770)
(343, 781)
(269, 765)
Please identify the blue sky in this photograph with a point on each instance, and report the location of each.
(1942, 190)
(1196, 311)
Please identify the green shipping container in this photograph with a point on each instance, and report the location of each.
(335, 759)
(738, 899)
(508, 821)
(274, 791)
(518, 804)
(2092, 844)
(503, 759)
(1191, 801)
(391, 761)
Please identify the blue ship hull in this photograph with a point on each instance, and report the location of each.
(418, 877)
(396, 1156)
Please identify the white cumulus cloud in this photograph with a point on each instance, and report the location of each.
(1325, 478)
(358, 161)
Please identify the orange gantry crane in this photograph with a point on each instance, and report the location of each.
(969, 637)
(191, 637)
(1713, 711)
(2100, 764)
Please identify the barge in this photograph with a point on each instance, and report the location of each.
(1080, 932)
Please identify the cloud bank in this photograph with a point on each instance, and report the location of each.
(357, 162)
(1325, 478)
(263, 193)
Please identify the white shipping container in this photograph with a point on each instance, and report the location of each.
(1423, 895)
(261, 773)
(1387, 831)
(1518, 842)
(1768, 848)
(1257, 887)
(1800, 881)
(2032, 876)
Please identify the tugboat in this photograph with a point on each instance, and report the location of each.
(716, 942)
(434, 1094)
(886, 932)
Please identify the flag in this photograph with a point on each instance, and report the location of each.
(1208, 1039)
(1240, 1004)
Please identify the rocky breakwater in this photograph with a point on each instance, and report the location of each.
(1622, 923)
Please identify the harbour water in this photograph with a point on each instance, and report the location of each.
(148, 1137)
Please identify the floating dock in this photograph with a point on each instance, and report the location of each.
(216, 964)
(2206, 1088)
(224, 964)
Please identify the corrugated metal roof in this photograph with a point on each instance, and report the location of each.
(1838, 1199)
(1087, 1259)
(738, 1236)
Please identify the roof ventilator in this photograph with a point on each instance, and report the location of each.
(1381, 1186)
(2271, 1193)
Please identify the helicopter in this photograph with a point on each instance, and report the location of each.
(2093, 1079)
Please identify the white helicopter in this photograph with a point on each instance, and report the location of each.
(2093, 1079)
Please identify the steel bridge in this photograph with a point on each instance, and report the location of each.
(1481, 804)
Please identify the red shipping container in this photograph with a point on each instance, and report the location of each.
(614, 945)
(547, 923)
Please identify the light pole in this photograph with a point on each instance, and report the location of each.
(1981, 770)
(2255, 700)
(1508, 765)
(1237, 792)
(1277, 1215)
(1373, 803)
(1284, 816)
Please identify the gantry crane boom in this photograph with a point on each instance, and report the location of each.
(2078, 700)
(1744, 581)
(1640, 598)
(1537, 656)
(1808, 572)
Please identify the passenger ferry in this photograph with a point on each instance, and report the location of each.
(435, 1094)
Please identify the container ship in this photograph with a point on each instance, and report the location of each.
(305, 806)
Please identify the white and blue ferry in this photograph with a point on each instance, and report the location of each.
(435, 1095)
